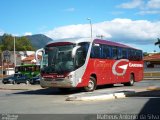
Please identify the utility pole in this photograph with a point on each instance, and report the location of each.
(14, 53)
(2, 65)
(90, 21)
(100, 36)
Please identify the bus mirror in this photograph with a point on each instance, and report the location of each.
(36, 55)
(74, 51)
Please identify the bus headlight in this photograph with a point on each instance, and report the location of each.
(69, 77)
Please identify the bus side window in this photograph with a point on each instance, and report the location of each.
(124, 53)
(80, 57)
(132, 54)
(95, 52)
(119, 52)
(106, 52)
(114, 53)
(138, 55)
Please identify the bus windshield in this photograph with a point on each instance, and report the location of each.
(58, 59)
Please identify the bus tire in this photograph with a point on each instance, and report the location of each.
(131, 81)
(92, 84)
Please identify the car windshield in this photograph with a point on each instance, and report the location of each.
(17, 75)
(10, 76)
(58, 59)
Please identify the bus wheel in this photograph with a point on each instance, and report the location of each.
(131, 81)
(91, 85)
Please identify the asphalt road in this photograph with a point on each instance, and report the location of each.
(52, 101)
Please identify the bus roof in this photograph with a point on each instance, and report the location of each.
(69, 40)
(106, 42)
(78, 40)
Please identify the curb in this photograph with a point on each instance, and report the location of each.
(151, 78)
(117, 95)
(91, 98)
(152, 88)
(8, 87)
(16, 89)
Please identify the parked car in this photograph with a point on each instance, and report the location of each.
(35, 80)
(16, 78)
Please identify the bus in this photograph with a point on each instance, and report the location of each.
(31, 70)
(88, 63)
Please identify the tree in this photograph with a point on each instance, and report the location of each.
(6, 42)
(22, 43)
(158, 42)
(145, 54)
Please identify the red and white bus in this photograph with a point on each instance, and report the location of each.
(82, 63)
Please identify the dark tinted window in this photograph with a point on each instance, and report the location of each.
(134, 54)
(124, 53)
(131, 54)
(106, 52)
(114, 53)
(81, 54)
(119, 53)
(138, 55)
(96, 51)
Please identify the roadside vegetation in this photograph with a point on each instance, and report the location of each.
(22, 43)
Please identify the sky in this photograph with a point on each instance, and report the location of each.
(132, 22)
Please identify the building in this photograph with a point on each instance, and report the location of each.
(22, 57)
(152, 61)
(30, 59)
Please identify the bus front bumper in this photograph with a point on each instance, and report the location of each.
(56, 83)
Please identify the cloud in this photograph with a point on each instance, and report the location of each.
(70, 9)
(144, 12)
(153, 4)
(145, 7)
(27, 33)
(119, 30)
(131, 5)
(75, 31)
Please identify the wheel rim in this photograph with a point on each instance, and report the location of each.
(132, 80)
(91, 85)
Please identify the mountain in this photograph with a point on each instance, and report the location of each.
(39, 40)
(0, 39)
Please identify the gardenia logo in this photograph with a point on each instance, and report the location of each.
(124, 67)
